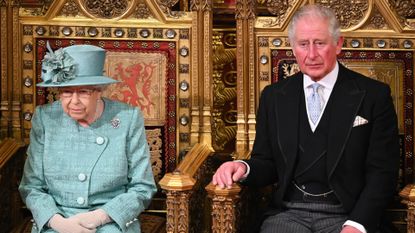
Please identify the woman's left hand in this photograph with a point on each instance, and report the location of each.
(93, 219)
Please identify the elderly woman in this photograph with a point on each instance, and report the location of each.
(88, 167)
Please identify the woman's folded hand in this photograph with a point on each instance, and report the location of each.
(69, 225)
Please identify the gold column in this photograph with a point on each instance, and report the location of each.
(245, 22)
(197, 26)
(201, 110)
(5, 72)
(10, 105)
(206, 129)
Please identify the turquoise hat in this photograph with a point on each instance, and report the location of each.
(76, 65)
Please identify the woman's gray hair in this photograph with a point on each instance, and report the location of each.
(316, 11)
(99, 87)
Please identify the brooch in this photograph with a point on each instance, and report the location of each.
(115, 123)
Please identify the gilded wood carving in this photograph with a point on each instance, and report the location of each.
(378, 36)
(117, 27)
(224, 91)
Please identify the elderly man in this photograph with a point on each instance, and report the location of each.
(327, 138)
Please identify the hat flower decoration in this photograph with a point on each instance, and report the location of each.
(75, 65)
(57, 66)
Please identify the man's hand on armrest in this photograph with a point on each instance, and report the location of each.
(229, 173)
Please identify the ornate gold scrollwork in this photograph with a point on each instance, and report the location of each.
(223, 208)
(280, 9)
(349, 13)
(166, 6)
(222, 132)
(404, 8)
(155, 145)
(177, 211)
(107, 8)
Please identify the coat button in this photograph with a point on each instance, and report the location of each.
(100, 140)
(80, 200)
(81, 177)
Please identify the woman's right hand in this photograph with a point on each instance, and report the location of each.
(68, 225)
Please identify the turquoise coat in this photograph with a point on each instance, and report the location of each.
(71, 169)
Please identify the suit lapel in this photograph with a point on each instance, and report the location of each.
(346, 99)
(287, 111)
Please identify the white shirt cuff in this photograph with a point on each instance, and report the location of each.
(356, 225)
(248, 169)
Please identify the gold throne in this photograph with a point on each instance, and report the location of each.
(379, 42)
(160, 53)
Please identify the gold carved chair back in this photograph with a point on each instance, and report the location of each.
(156, 54)
(379, 42)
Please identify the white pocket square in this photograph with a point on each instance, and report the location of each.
(359, 121)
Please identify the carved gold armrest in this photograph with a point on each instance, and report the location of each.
(8, 147)
(179, 186)
(224, 213)
(408, 198)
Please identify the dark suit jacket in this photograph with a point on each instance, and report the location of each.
(362, 161)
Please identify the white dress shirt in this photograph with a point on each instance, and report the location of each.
(327, 84)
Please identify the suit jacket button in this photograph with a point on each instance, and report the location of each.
(100, 140)
(80, 200)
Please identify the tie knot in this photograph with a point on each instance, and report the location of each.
(315, 87)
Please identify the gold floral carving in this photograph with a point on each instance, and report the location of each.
(377, 21)
(107, 8)
(142, 11)
(177, 211)
(277, 7)
(349, 13)
(155, 145)
(70, 8)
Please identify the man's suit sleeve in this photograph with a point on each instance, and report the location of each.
(262, 164)
(382, 163)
